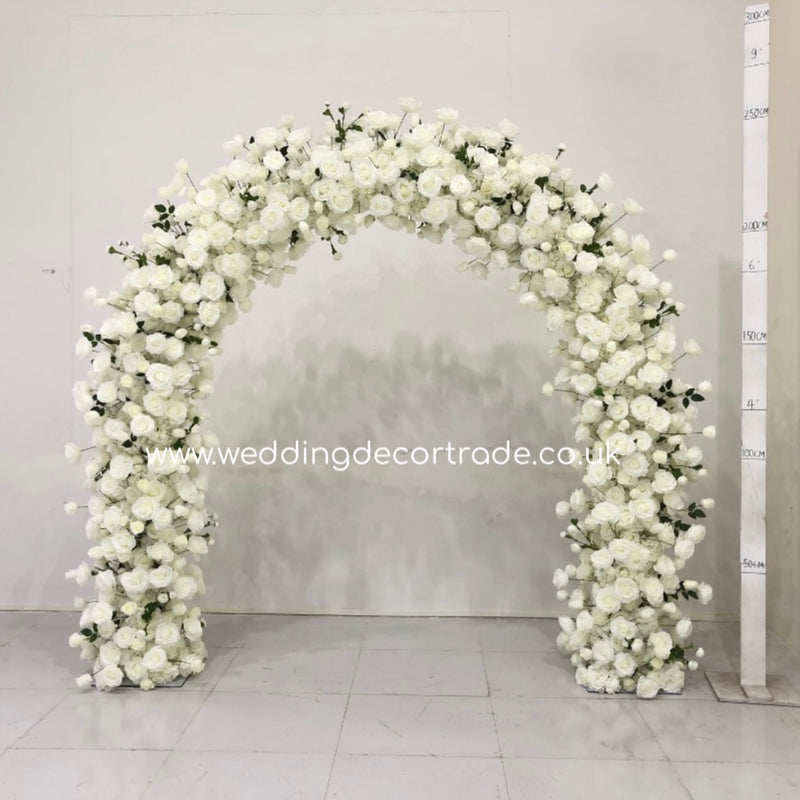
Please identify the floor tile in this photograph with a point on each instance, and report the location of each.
(521, 635)
(422, 633)
(417, 777)
(218, 661)
(526, 674)
(241, 776)
(239, 721)
(285, 632)
(724, 731)
(128, 719)
(77, 774)
(44, 663)
(21, 709)
(284, 672)
(420, 672)
(30, 627)
(741, 781)
(565, 728)
(411, 725)
(572, 779)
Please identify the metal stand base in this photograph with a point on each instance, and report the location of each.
(176, 684)
(777, 692)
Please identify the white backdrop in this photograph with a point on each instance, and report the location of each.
(390, 343)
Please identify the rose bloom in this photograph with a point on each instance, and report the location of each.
(661, 642)
(167, 634)
(607, 600)
(622, 628)
(624, 664)
(154, 659)
(487, 218)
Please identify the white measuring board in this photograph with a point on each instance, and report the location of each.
(754, 351)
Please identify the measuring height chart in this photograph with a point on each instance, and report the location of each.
(754, 344)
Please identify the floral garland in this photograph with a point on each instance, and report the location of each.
(630, 526)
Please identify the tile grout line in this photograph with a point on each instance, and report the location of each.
(13, 745)
(344, 715)
(156, 772)
(494, 724)
(171, 750)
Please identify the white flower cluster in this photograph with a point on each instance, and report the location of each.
(212, 243)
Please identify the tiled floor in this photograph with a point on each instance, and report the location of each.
(380, 708)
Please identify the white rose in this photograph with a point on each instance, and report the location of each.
(124, 636)
(584, 621)
(609, 375)
(622, 628)
(661, 642)
(584, 205)
(212, 285)
(176, 412)
(487, 218)
(429, 183)
(195, 257)
(190, 293)
(586, 263)
(643, 407)
(100, 613)
(602, 558)
(660, 420)
(185, 587)
(607, 601)
(580, 232)
(144, 507)
(538, 210)
(161, 577)
(142, 425)
(663, 482)
(380, 205)
(665, 342)
(108, 678)
(651, 373)
(135, 670)
(696, 533)
(684, 628)
(643, 508)
(626, 590)
(438, 210)
(647, 687)
(631, 207)
(154, 659)
(134, 582)
(159, 376)
(624, 664)
(460, 186)
(209, 313)
(560, 579)
(167, 634)
(583, 383)
(603, 651)
(653, 590)
(107, 392)
(193, 629)
(340, 200)
(230, 209)
(605, 512)
(272, 217)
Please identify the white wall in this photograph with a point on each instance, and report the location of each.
(783, 422)
(390, 343)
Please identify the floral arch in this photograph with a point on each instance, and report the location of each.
(630, 526)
